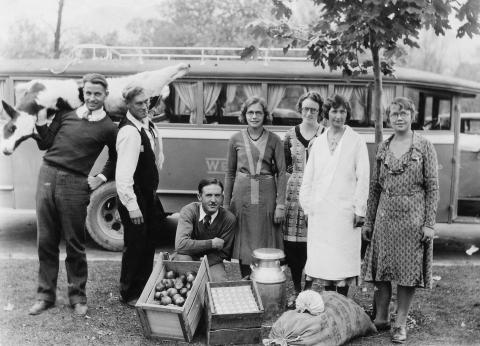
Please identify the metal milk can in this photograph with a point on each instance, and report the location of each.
(270, 280)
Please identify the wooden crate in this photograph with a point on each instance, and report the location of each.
(172, 322)
(233, 328)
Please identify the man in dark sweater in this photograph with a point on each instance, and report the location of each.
(73, 142)
(206, 228)
(139, 159)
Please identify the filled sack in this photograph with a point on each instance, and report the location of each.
(341, 321)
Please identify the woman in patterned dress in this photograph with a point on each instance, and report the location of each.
(333, 195)
(400, 218)
(255, 184)
(296, 145)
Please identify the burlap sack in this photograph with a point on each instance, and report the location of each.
(342, 320)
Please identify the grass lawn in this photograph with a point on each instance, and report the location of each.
(447, 315)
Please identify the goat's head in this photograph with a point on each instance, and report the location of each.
(15, 130)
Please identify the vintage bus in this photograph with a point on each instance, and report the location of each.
(201, 113)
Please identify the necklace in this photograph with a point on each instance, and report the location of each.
(256, 139)
(333, 141)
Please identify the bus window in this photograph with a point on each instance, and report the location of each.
(433, 109)
(223, 101)
(358, 98)
(184, 110)
(283, 100)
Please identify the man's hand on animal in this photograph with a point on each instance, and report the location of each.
(136, 216)
(94, 182)
(42, 117)
(217, 243)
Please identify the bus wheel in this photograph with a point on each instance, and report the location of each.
(103, 220)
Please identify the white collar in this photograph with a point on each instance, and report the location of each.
(138, 123)
(203, 213)
(97, 115)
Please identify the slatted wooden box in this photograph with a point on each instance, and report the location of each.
(172, 322)
(225, 326)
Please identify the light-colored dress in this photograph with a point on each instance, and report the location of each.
(296, 154)
(254, 185)
(403, 198)
(334, 188)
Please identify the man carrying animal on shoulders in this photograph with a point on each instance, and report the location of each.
(206, 228)
(140, 157)
(73, 142)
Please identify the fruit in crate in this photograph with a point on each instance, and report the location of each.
(191, 276)
(174, 288)
(172, 291)
(166, 300)
(170, 274)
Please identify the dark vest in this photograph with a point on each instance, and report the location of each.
(145, 178)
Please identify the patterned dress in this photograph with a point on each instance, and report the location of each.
(296, 155)
(403, 199)
(254, 185)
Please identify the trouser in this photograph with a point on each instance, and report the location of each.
(138, 248)
(61, 203)
(296, 255)
(217, 271)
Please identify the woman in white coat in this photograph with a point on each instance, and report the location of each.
(334, 196)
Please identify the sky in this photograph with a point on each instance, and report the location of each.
(104, 16)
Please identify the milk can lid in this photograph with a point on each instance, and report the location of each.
(268, 254)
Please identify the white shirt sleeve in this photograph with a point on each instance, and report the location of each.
(128, 150)
(305, 194)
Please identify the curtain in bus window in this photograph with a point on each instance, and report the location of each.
(345, 91)
(359, 104)
(388, 96)
(210, 97)
(321, 89)
(275, 96)
(253, 90)
(186, 92)
(231, 91)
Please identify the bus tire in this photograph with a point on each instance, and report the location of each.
(103, 220)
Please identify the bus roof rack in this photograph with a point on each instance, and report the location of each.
(104, 52)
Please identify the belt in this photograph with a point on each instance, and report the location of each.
(255, 176)
(390, 193)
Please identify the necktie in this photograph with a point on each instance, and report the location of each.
(206, 221)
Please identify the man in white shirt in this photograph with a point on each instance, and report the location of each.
(139, 159)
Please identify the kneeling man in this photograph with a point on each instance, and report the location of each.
(206, 228)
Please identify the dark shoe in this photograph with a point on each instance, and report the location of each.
(246, 277)
(39, 307)
(382, 326)
(80, 309)
(399, 335)
(131, 303)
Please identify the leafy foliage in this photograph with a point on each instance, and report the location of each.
(200, 23)
(348, 30)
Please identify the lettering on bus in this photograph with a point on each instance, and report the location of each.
(216, 165)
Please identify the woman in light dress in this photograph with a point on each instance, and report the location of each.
(333, 196)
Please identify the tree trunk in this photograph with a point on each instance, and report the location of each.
(56, 44)
(377, 91)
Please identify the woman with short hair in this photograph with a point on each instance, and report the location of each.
(255, 184)
(401, 212)
(297, 144)
(333, 196)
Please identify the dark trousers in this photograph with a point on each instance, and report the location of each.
(138, 249)
(296, 255)
(62, 199)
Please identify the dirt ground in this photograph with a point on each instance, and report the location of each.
(447, 315)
